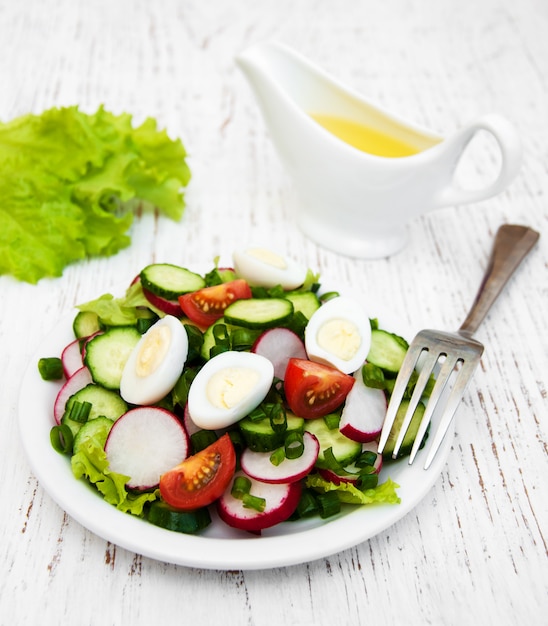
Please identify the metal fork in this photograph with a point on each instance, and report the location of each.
(453, 357)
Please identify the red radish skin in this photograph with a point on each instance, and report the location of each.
(144, 443)
(258, 465)
(279, 345)
(71, 358)
(281, 502)
(170, 307)
(337, 479)
(86, 340)
(364, 412)
(77, 381)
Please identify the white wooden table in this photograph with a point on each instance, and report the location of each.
(474, 551)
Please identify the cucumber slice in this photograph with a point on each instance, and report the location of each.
(345, 450)
(260, 437)
(98, 429)
(259, 312)
(387, 350)
(410, 435)
(304, 302)
(161, 514)
(104, 403)
(85, 324)
(106, 354)
(170, 281)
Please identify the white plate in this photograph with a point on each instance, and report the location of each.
(219, 547)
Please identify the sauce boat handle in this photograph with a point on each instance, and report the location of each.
(510, 148)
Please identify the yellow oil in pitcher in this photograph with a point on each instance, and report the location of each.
(364, 138)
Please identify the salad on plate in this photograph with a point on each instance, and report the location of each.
(246, 392)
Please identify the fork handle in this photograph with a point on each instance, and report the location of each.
(511, 246)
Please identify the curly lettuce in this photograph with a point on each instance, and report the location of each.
(70, 183)
(90, 462)
(347, 493)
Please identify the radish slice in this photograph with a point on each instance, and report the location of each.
(259, 466)
(170, 307)
(281, 502)
(145, 443)
(77, 381)
(188, 423)
(364, 412)
(71, 358)
(278, 345)
(352, 475)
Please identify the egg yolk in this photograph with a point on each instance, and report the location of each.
(153, 351)
(268, 257)
(339, 337)
(229, 386)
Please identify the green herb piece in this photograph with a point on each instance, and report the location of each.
(50, 368)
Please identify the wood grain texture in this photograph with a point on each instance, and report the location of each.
(474, 551)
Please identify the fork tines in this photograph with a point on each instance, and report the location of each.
(452, 359)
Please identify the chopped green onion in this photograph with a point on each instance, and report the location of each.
(144, 323)
(368, 481)
(307, 504)
(61, 438)
(242, 339)
(331, 462)
(373, 376)
(50, 368)
(237, 440)
(195, 342)
(366, 459)
(278, 417)
(222, 340)
(332, 420)
(201, 439)
(257, 414)
(240, 487)
(328, 504)
(254, 502)
(294, 445)
(78, 412)
(277, 456)
(329, 295)
(182, 386)
(218, 349)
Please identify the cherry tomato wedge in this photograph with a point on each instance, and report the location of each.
(313, 389)
(207, 305)
(200, 479)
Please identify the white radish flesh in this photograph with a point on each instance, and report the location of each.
(279, 345)
(71, 358)
(259, 466)
(364, 412)
(77, 381)
(281, 502)
(145, 443)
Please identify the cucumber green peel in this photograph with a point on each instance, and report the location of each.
(70, 182)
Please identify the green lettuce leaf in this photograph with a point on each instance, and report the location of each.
(90, 462)
(70, 183)
(382, 493)
(124, 311)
